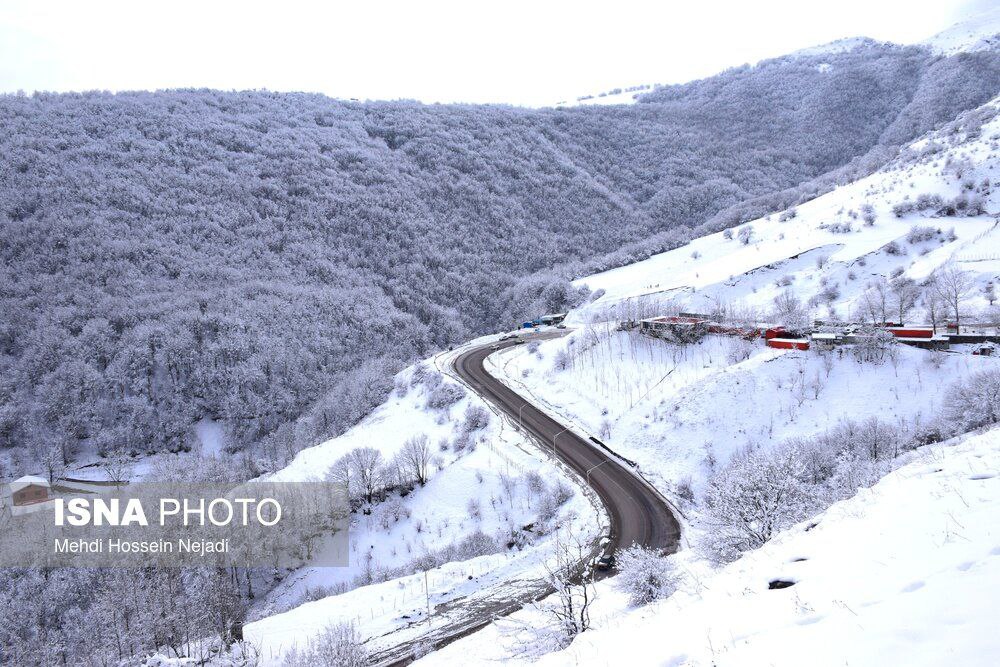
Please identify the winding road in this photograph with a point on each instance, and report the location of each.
(638, 514)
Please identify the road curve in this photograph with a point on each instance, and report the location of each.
(638, 514)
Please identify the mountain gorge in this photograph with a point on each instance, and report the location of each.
(269, 260)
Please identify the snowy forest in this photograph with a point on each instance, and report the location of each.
(271, 260)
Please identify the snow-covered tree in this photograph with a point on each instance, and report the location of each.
(645, 575)
(974, 402)
(750, 499)
(416, 457)
(953, 285)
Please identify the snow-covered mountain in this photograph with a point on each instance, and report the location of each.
(682, 412)
(936, 203)
(867, 581)
(977, 32)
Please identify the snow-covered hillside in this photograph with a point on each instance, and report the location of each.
(979, 31)
(905, 573)
(680, 410)
(871, 576)
(830, 247)
(486, 485)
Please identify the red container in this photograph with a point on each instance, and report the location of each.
(911, 332)
(788, 343)
(774, 332)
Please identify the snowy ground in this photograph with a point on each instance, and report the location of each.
(827, 244)
(904, 573)
(432, 517)
(673, 408)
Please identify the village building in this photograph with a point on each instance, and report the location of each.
(26, 494)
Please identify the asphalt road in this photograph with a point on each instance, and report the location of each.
(638, 514)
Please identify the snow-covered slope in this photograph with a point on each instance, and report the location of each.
(826, 245)
(905, 573)
(979, 31)
(485, 481)
(681, 410)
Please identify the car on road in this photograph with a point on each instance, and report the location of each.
(560, 326)
(605, 562)
(518, 341)
(495, 347)
(510, 336)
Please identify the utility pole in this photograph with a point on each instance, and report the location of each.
(556, 437)
(594, 467)
(427, 596)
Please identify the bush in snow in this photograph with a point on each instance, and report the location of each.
(745, 234)
(337, 644)
(920, 234)
(874, 345)
(645, 575)
(739, 350)
(892, 248)
(476, 418)
(424, 374)
(727, 234)
(788, 215)
(973, 403)
(868, 214)
(444, 396)
(551, 501)
(750, 499)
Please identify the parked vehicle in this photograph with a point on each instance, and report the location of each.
(605, 562)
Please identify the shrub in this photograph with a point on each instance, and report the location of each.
(476, 418)
(920, 234)
(645, 575)
(445, 396)
(973, 403)
(337, 644)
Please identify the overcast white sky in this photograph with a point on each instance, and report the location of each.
(530, 53)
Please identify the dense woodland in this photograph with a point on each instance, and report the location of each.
(270, 260)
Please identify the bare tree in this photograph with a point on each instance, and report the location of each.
(117, 465)
(952, 286)
(416, 457)
(571, 574)
(934, 306)
(51, 459)
(789, 311)
(366, 468)
(905, 293)
(875, 302)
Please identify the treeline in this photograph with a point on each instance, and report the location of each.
(762, 492)
(269, 260)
